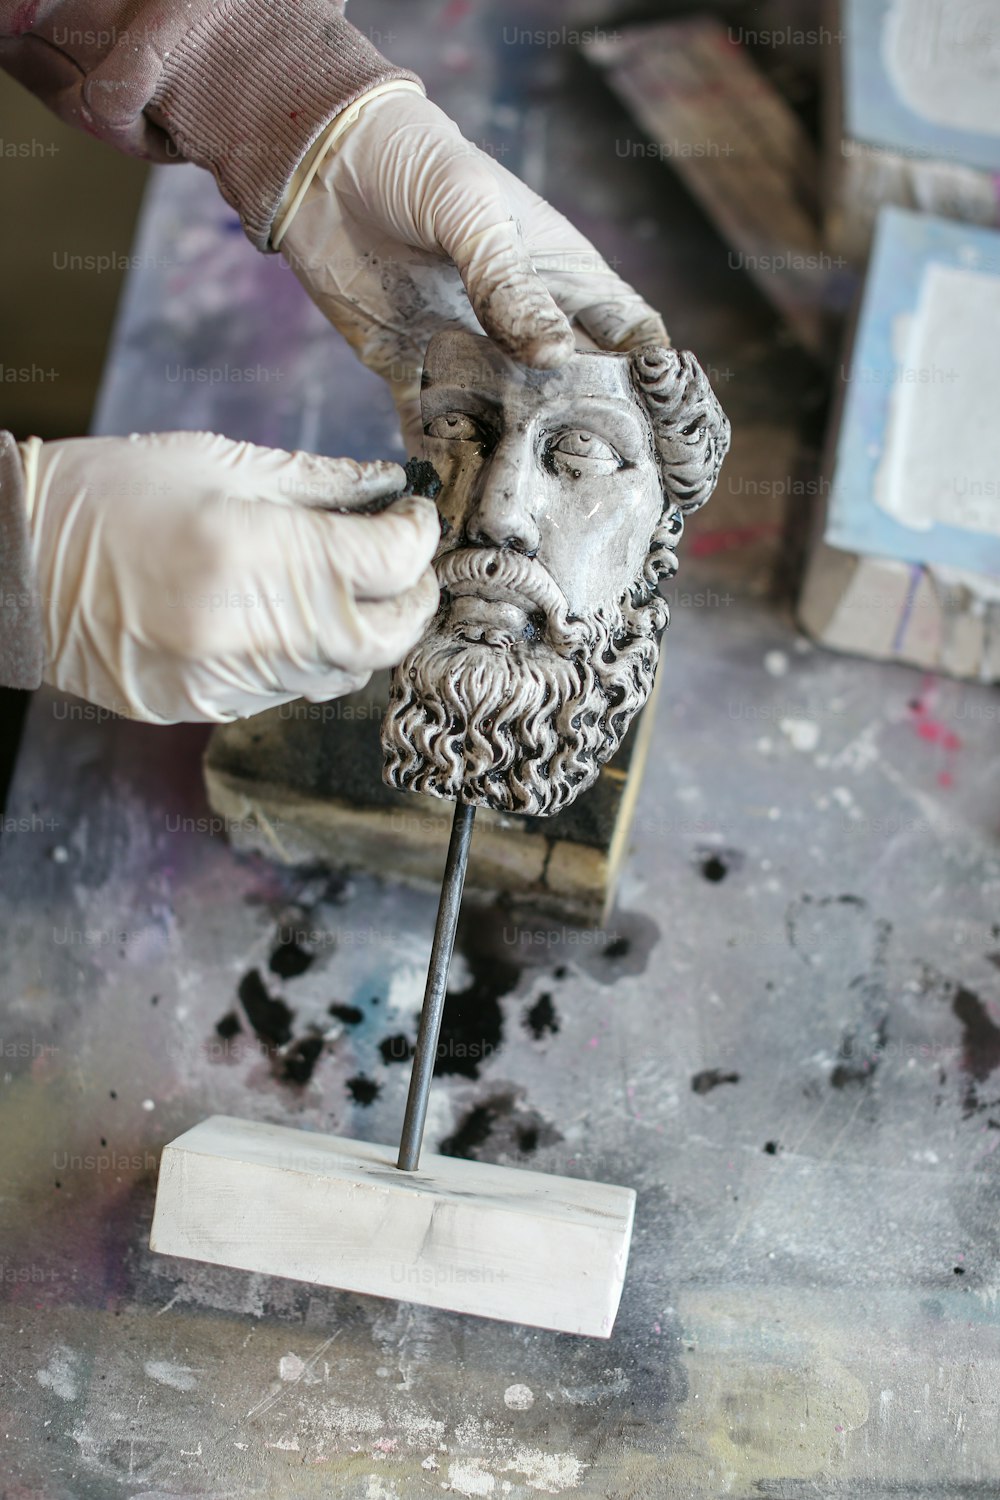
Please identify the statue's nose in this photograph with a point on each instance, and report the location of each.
(504, 511)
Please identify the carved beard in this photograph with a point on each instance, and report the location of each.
(522, 722)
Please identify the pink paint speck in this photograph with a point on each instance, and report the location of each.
(731, 538)
(593, 1042)
(934, 731)
(657, 1328)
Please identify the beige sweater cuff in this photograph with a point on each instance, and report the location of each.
(251, 88)
(21, 640)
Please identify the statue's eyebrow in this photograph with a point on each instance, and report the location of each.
(445, 395)
(615, 418)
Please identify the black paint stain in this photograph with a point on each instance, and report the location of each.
(298, 1062)
(980, 1045)
(715, 864)
(959, 1270)
(704, 1083)
(617, 948)
(860, 1053)
(229, 1026)
(503, 1121)
(541, 1017)
(289, 960)
(270, 1019)
(980, 1038)
(560, 972)
(396, 1048)
(472, 1029)
(772, 1148)
(363, 1090)
(473, 1132)
(349, 1014)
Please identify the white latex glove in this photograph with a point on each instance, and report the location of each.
(406, 223)
(185, 577)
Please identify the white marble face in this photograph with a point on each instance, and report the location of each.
(559, 467)
(943, 57)
(562, 500)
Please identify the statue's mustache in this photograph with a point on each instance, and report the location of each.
(511, 577)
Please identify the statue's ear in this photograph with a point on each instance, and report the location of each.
(691, 432)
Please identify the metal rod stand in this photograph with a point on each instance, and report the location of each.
(436, 988)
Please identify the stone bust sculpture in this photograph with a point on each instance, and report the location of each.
(563, 497)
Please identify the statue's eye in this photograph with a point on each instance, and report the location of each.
(458, 426)
(568, 449)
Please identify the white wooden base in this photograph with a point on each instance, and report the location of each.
(497, 1242)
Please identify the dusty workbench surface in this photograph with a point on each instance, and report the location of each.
(787, 1039)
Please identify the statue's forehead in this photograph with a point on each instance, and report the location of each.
(466, 362)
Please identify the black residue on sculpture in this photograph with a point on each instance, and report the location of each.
(710, 1078)
(298, 1062)
(363, 1090)
(351, 1015)
(617, 948)
(271, 1019)
(397, 1048)
(541, 1017)
(289, 960)
(229, 1026)
(771, 1147)
(422, 479)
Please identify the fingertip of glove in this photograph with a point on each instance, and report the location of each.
(549, 351)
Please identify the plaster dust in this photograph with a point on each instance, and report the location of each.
(178, 1377)
(59, 1375)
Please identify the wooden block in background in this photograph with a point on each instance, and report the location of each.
(712, 115)
(880, 151)
(880, 582)
(471, 1237)
(895, 611)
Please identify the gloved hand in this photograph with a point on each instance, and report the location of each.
(406, 223)
(185, 577)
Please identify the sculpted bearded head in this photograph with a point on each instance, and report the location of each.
(563, 499)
